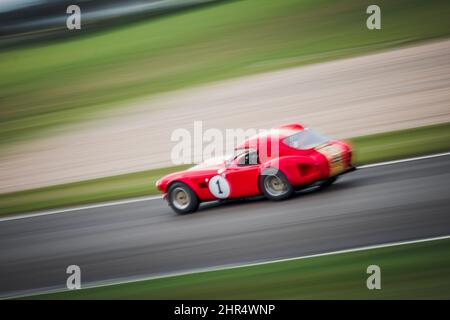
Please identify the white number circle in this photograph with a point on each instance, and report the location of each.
(219, 187)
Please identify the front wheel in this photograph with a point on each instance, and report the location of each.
(275, 186)
(182, 199)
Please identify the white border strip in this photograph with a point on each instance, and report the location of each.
(404, 160)
(235, 266)
(141, 199)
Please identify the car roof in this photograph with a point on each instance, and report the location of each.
(279, 133)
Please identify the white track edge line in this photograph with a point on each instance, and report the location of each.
(84, 207)
(235, 266)
(141, 199)
(385, 163)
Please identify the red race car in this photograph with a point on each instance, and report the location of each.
(302, 158)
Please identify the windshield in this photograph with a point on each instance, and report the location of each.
(306, 139)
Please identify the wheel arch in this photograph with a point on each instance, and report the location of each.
(297, 169)
(183, 181)
(274, 171)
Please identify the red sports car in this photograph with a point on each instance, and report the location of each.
(302, 158)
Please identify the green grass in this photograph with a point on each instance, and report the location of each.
(110, 188)
(414, 271)
(401, 144)
(53, 84)
(373, 148)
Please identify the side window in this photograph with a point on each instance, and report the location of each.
(249, 158)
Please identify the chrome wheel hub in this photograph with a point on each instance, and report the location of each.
(180, 198)
(275, 186)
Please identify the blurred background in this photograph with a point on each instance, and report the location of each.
(104, 100)
(28, 20)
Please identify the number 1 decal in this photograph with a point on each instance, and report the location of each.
(219, 187)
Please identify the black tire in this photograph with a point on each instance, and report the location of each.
(175, 196)
(266, 185)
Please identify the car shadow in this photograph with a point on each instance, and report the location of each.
(312, 191)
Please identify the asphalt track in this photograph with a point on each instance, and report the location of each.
(396, 202)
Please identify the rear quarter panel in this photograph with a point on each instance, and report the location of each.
(301, 170)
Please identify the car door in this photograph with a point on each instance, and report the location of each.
(243, 175)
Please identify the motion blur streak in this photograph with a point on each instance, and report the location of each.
(150, 198)
(392, 203)
(398, 89)
(25, 20)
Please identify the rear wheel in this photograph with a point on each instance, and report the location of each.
(275, 186)
(182, 199)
